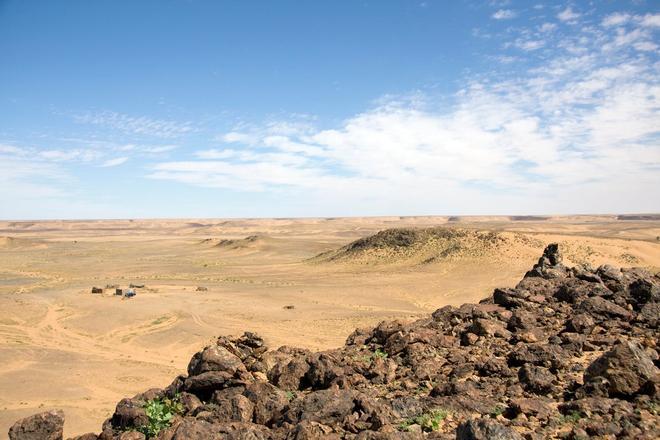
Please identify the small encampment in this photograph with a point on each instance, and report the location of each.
(119, 292)
(97, 290)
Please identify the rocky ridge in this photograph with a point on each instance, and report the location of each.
(568, 353)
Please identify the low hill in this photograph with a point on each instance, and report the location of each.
(252, 241)
(256, 242)
(567, 353)
(430, 245)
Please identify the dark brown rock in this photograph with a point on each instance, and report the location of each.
(203, 385)
(626, 368)
(129, 413)
(43, 426)
(215, 358)
(485, 429)
(269, 402)
(535, 379)
(581, 323)
(603, 309)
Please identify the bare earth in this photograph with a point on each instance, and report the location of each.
(63, 347)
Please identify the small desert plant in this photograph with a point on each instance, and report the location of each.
(497, 410)
(429, 421)
(290, 395)
(160, 413)
(379, 354)
(572, 417)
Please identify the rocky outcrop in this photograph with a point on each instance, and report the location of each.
(567, 353)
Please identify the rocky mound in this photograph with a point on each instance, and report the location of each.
(427, 245)
(242, 243)
(249, 242)
(565, 354)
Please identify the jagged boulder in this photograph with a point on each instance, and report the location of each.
(485, 429)
(43, 426)
(626, 368)
(215, 358)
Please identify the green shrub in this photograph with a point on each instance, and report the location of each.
(571, 417)
(497, 410)
(379, 354)
(429, 421)
(160, 413)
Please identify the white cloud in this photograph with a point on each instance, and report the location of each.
(140, 125)
(158, 149)
(547, 27)
(235, 136)
(651, 20)
(68, 155)
(616, 19)
(578, 132)
(529, 45)
(568, 15)
(114, 162)
(504, 14)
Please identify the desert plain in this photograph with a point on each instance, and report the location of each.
(296, 282)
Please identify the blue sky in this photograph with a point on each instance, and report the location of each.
(124, 109)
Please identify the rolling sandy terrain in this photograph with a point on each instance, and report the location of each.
(294, 281)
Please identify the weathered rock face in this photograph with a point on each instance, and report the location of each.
(43, 426)
(485, 429)
(567, 353)
(626, 368)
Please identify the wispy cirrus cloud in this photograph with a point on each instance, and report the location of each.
(578, 129)
(504, 14)
(114, 162)
(140, 125)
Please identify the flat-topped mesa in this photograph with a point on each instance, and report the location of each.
(565, 354)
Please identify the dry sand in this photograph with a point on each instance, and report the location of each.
(63, 347)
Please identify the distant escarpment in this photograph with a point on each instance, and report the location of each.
(568, 353)
(428, 245)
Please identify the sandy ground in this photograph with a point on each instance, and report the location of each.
(63, 347)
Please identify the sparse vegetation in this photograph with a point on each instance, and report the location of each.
(160, 413)
(429, 421)
(379, 354)
(571, 417)
(497, 410)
